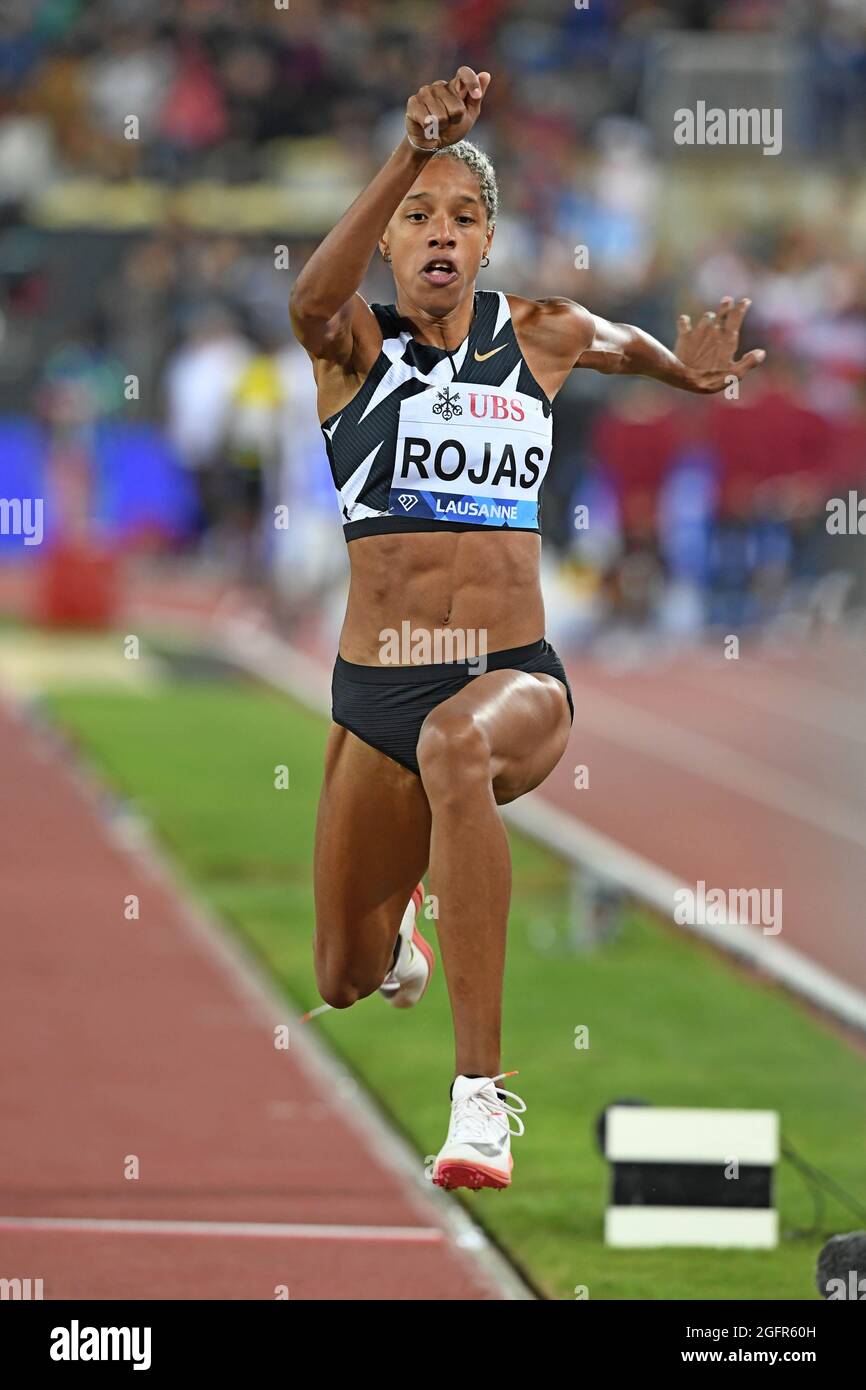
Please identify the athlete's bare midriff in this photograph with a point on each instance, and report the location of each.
(481, 587)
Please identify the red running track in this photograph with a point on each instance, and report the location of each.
(746, 773)
(132, 1038)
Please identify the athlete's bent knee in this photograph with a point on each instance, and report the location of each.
(453, 754)
(338, 990)
(340, 994)
(340, 980)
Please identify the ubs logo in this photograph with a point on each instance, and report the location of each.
(446, 404)
(499, 407)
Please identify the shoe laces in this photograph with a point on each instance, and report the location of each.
(474, 1112)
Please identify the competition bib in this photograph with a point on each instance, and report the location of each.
(472, 454)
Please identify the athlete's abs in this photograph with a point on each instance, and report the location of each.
(481, 588)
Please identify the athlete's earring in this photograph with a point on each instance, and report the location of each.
(485, 263)
(386, 257)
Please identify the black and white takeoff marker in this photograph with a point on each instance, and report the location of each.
(690, 1177)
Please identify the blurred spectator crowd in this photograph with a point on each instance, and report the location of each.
(214, 83)
(698, 511)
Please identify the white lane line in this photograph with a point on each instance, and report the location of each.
(579, 844)
(631, 727)
(269, 1230)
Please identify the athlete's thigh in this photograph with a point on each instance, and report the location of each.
(372, 845)
(525, 720)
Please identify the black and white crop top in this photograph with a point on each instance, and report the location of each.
(443, 439)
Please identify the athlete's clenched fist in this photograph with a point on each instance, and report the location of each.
(445, 112)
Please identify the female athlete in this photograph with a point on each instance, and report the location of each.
(436, 412)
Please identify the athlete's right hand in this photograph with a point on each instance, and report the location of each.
(445, 112)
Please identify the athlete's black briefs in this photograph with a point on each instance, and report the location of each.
(443, 439)
(385, 706)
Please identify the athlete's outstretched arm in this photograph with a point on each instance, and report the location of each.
(703, 359)
(324, 302)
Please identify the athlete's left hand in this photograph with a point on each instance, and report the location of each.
(709, 348)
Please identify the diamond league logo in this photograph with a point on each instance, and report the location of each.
(407, 501)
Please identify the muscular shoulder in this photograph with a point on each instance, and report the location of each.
(351, 338)
(558, 327)
(552, 335)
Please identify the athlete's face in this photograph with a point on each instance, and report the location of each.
(438, 236)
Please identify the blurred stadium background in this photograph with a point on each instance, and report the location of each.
(151, 393)
(158, 256)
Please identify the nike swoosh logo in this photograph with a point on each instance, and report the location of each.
(483, 356)
(491, 1150)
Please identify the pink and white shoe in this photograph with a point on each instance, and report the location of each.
(410, 975)
(477, 1152)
